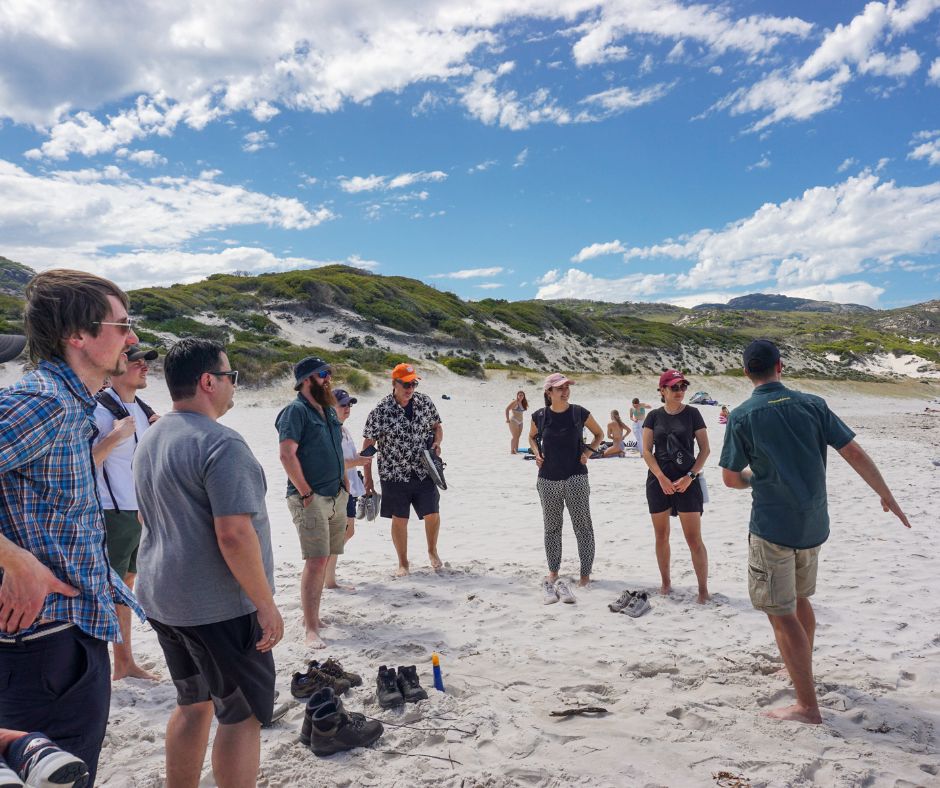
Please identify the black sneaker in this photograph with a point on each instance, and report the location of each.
(335, 730)
(318, 699)
(303, 685)
(37, 761)
(409, 685)
(332, 668)
(387, 689)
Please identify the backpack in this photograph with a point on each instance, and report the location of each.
(540, 421)
(117, 410)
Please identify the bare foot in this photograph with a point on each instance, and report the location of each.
(795, 713)
(135, 671)
(314, 640)
(665, 590)
(436, 562)
(338, 587)
(703, 597)
(584, 582)
(402, 571)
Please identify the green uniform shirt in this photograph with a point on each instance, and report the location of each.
(783, 434)
(319, 445)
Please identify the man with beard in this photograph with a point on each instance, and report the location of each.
(58, 594)
(311, 451)
(122, 419)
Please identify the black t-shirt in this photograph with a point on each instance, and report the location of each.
(561, 443)
(674, 439)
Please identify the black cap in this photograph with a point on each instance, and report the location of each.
(343, 397)
(11, 345)
(306, 367)
(760, 355)
(137, 353)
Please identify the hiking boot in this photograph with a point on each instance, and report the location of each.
(360, 507)
(387, 691)
(335, 730)
(410, 687)
(622, 601)
(38, 762)
(549, 594)
(318, 699)
(564, 593)
(303, 685)
(332, 668)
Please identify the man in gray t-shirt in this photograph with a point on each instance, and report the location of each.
(205, 574)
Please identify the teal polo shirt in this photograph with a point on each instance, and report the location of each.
(783, 435)
(319, 445)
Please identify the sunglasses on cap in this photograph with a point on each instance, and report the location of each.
(678, 387)
(412, 384)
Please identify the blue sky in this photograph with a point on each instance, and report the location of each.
(641, 150)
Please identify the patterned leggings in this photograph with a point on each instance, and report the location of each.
(573, 492)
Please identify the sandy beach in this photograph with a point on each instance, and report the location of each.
(683, 686)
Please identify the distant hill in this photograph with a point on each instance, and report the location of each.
(782, 303)
(13, 277)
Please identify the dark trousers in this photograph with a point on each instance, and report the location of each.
(60, 685)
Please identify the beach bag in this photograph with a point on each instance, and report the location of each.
(678, 454)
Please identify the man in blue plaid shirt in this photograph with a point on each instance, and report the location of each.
(58, 592)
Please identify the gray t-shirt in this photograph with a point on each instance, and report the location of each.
(189, 469)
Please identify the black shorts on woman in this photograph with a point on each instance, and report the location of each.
(673, 448)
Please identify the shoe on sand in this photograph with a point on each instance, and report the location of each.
(303, 685)
(564, 593)
(622, 601)
(410, 686)
(335, 730)
(318, 699)
(387, 691)
(40, 764)
(549, 594)
(637, 606)
(332, 668)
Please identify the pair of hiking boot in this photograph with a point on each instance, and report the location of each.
(328, 728)
(397, 688)
(319, 675)
(631, 603)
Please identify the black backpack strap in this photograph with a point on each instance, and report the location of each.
(148, 411)
(117, 410)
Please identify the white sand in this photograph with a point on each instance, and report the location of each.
(683, 685)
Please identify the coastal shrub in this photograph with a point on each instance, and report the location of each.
(354, 379)
(464, 366)
(620, 368)
(187, 327)
(369, 341)
(354, 342)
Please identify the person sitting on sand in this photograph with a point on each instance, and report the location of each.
(616, 432)
(355, 483)
(723, 416)
(402, 425)
(786, 472)
(514, 418)
(637, 416)
(672, 484)
(556, 440)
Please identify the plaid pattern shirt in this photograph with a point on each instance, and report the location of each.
(48, 499)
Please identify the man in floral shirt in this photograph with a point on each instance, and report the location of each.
(402, 425)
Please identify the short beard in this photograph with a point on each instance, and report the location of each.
(322, 395)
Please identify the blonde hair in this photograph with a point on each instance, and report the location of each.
(615, 415)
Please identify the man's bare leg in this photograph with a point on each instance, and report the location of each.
(330, 581)
(236, 754)
(692, 528)
(663, 555)
(432, 527)
(798, 657)
(187, 735)
(311, 589)
(400, 540)
(7, 737)
(124, 664)
(804, 612)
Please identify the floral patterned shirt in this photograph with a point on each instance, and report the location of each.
(400, 439)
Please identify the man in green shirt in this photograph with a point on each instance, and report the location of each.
(311, 451)
(775, 443)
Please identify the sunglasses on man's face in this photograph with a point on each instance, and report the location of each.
(323, 374)
(230, 373)
(125, 327)
(679, 387)
(413, 384)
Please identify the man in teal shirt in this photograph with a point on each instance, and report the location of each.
(775, 443)
(311, 451)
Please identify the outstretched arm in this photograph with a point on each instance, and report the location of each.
(865, 467)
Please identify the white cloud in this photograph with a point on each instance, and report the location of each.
(926, 146)
(575, 283)
(263, 112)
(762, 163)
(618, 100)
(846, 164)
(482, 166)
(840, 292)
(370, 183)
(521, 158)
(485, 102)
(689, 301)
(489, 286)
(905, 63)
(598, 250)
(84, 213)
(470, 273)
(933, 73)
(255, 141)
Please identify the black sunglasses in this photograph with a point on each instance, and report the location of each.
(679, 387)
(412, 385)
(231, 373)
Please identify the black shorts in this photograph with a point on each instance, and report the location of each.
(351, 506)
(399, 497)
(689, 501)
(219, 662)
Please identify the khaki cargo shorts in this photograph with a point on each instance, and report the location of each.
(321, 524)
(777, 575)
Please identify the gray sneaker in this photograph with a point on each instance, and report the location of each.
(372, 506)
(549, 594)
(637, 606)
(622, 601)
(360, 507)
(564, 593)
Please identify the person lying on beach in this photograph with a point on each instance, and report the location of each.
(786, 472)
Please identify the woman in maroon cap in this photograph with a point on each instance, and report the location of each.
(673, 486)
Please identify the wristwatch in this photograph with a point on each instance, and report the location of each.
(692, 476)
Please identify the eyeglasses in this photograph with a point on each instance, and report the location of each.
(230, 373)
(679, 387)
(127, 326)
(410, 385)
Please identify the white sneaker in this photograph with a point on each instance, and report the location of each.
(549, 594)
(8, 777)
(564, 593)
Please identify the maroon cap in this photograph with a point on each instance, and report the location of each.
(670, 377)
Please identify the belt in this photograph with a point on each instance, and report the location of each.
(52, 629)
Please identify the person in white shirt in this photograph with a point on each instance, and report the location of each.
(357, 485)
(122, 419)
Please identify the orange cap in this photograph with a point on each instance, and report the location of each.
(405, 373)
